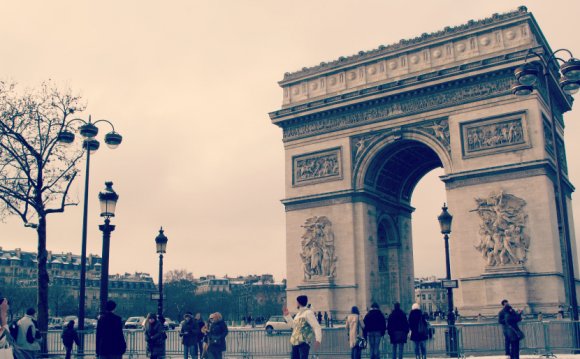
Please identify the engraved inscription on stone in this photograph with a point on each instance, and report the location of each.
(316, 167)
(318, 251)
(502, 232)
(488, 136)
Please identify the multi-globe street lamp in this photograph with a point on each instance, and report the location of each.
(88, 130)
(554, 74)
(445, 219)
(161, 244)
(108, 200)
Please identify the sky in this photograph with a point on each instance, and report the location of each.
(189, 85)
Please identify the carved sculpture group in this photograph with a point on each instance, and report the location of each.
(502, 241)
(318, 256)
(317, 167)
(495, 135)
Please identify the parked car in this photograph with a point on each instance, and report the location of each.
(277, 323)
(170, 324)
(134, 323)
(55, 323)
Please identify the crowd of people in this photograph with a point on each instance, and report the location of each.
(208, 339)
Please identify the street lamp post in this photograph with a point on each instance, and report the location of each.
(567, 78)
(88, 131)
(108, 200)
(161, 243)
(445, 219)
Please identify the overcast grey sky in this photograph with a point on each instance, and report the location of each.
(189, 85)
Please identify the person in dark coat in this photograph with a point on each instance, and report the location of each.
(419, 331)
(216, 336)
(201, 334)
(374, 329)
(69, 336)
(189, 335)
(514, 333)
(110, 340)
(502, 316)
(398, 328)
(155, 337)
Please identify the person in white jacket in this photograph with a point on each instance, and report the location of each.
(305, 329)
(27, 338)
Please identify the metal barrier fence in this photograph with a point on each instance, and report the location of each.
(471, 339)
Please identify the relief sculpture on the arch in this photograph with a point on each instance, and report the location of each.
(503, 240)
(318, 249)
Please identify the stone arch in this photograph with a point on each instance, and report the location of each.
(362, 166)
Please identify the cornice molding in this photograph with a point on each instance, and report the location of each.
(403, 45)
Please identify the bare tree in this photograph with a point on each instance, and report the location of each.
(35, 172)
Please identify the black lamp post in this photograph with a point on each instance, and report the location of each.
(566, 78)
(445, 219)
(88, 131)
(108, 199)
(161, 242)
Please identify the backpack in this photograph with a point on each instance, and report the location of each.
(422, 327)
(13, 329)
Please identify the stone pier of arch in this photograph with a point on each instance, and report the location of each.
(360, 132)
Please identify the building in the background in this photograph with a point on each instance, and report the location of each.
(430, 295)
(18, 269)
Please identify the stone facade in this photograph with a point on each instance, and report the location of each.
(360, 132)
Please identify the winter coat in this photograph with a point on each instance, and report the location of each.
(398, 326)
(354, 328)
(24, 325)
(200, 334)
(69, 336)
(416, 317)
(110, 338)
(374, 322)
(216, 336)
(190, 332)
(512, 319)
(155, 337)
(502, 316)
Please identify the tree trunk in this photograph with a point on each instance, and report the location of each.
(43, 280)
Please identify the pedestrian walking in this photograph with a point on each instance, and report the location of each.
(319, 317)
(216, 336)
(189, 334)
(200, 334)
(110, 341)
(326, 322)
(28, 338)
(305, 329)
(69, 337)
(512, 318)
(155, 336)
(6, 351)
(374, 329)
(419, 331)
(398, 329)
(354, 332)
(502, 316)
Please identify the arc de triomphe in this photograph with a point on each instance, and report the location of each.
(361, 131)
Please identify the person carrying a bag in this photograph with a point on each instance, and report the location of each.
(155, 337)
(419, 331)
(305, 329)
(216, 336)
(354, 328)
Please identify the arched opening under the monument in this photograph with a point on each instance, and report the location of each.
(392, 176)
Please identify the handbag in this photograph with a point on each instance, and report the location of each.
(518, 332)
(361, 343)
